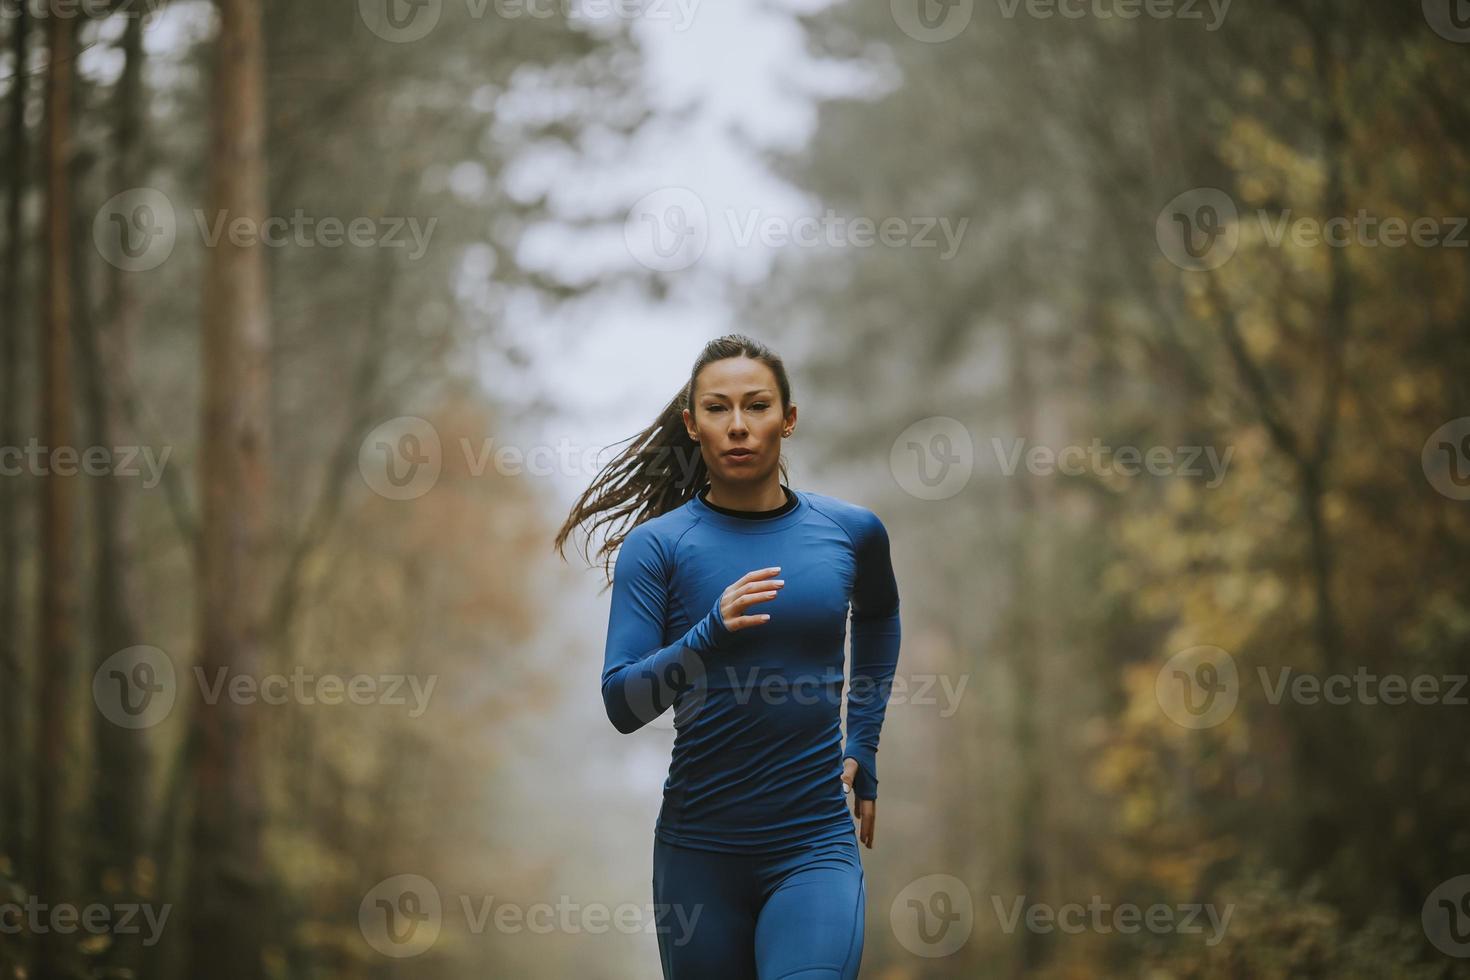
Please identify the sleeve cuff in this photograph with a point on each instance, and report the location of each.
(719, 632)
(865, 783)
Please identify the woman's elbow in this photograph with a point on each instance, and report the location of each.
(619, 712)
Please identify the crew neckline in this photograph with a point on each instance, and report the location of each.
(751, 525)
(788, 502)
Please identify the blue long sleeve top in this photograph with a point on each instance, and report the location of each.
(758, 743)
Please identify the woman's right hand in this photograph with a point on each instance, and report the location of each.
(746, 591)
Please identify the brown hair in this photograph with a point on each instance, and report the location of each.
(662, 468)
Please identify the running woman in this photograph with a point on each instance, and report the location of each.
(731, 594)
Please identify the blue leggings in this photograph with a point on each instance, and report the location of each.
(793, 915)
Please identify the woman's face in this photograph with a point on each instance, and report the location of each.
(737, 419)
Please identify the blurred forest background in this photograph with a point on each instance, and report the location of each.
(296, 467)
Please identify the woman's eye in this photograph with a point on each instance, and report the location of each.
(759, 405)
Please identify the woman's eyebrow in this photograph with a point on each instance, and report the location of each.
(753, 391)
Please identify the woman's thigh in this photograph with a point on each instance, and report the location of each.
(811, 926)
(705, 907)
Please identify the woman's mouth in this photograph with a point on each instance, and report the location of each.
(740, 455)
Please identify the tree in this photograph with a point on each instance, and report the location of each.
(226, 874)
(55, 763)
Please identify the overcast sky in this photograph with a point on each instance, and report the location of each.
(742, 68)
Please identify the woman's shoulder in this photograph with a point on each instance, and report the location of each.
(660, 531)
(858, 521)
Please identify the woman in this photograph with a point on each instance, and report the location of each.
(730, 601)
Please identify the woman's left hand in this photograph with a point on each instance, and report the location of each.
(863, 811)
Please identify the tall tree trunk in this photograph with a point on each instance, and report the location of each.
(121, 753)
(106, 342)
(55, 857)
(12, 696)
(226, 875)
